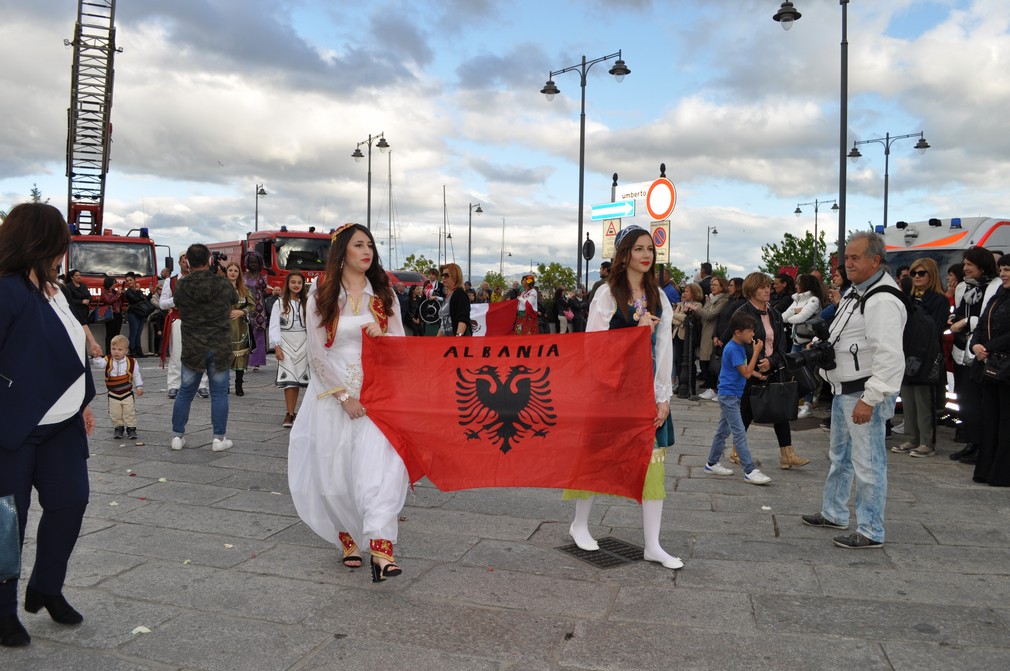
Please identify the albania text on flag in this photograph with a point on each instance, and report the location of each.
(571, 411)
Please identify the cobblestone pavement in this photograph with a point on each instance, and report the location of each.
(206, 552)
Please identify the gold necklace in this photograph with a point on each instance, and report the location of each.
(355, 304)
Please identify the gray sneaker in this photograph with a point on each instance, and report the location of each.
(819, 520)
(904, 448)
(856, 541)
(922, 451)
(203, 393)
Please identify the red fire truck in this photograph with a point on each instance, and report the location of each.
(283, 251)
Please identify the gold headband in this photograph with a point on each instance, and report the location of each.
(333, 238)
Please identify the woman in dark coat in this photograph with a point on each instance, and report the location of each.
(991, 339)
(455, 311)
(918, 399)
(413, 319)
(45, 389)
(770, 330)
(78, 296)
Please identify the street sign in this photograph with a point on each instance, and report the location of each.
(661, 199)
(661, 240)
(637, 191)
(622, 208)
(611, 227)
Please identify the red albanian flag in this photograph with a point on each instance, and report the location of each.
(572, 411)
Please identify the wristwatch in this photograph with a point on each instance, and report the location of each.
(343, 397)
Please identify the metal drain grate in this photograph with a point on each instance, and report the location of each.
(612, 553)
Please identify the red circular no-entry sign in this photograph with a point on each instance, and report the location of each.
(661, 199)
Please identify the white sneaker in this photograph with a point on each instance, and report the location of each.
(178, 442)
(221, 444)
(709, 395)
(756, 477)
(718, 469)
(805, 411)
(899, 428)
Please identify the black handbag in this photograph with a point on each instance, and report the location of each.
(997, 368)
(774, 402)
(715, 363)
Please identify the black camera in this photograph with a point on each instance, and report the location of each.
(217, 261)
(820, 354)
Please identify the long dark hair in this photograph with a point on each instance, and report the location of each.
(328, 293)
(813, 285)
(302, 295)
(620, 287)
(31, 237)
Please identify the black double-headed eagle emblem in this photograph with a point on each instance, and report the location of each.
(504, 411)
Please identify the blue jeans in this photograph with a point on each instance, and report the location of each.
(136, 323)
(730, 422)
(218, 398)
(858, 452)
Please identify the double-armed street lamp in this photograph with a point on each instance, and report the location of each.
(474, 207)
(357, 156)
(710, 231)
(786, 16)
(817, 207)
(886, 141)
(550, 90)
(260, 192)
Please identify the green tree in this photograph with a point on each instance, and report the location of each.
(720, 270)
(555, 275)
(418, 263)
(804, 253)
(496, 280)
(36, 195)
(676, 274)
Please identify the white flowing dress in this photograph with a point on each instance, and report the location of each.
(343, 473)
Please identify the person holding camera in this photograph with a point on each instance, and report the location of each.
(865, 376)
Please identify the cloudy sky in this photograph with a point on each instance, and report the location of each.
(215, 96)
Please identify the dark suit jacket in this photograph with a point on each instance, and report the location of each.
(38, 362)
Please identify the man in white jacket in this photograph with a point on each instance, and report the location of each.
(870, 364)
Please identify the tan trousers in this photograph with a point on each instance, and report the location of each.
(123, 411)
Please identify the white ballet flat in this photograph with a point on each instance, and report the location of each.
(672, 562)
(592, 546)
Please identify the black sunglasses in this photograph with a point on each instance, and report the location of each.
(446, 275)
(919, 273)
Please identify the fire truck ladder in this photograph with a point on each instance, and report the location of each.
(88, 128)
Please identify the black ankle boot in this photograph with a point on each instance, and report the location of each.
(967, 451)
(58, 608)
(239, 375)
(12, 632)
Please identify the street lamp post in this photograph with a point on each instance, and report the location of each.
(260, 192)
(709, 232)
(786, 16)
(886, 141)
(357, 156)
(550, 90)
(817, 207)
(474, 207)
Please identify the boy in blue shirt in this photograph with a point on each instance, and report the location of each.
(733, 378)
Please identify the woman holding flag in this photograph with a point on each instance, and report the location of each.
(527, 322)
(631, 298)
(347, 482)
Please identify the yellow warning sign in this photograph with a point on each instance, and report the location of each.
(611, 227)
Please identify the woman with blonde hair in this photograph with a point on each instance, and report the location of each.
(918, 400)
(454, 315)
